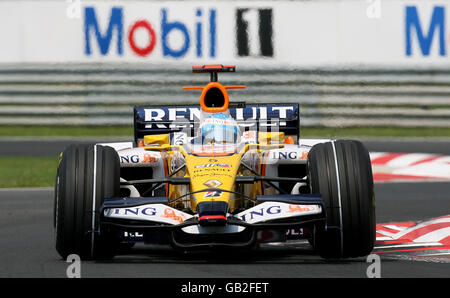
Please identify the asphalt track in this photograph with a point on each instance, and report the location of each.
(27, 240)
(27, 244)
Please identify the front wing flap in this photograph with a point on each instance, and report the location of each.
(152, 216)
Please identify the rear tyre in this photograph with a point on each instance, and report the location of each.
(347, 192)
(78, 200)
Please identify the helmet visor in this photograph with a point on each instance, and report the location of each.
(220, 134)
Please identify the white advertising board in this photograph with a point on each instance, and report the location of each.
(267, 33)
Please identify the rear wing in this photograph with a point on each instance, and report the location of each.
(149, 120)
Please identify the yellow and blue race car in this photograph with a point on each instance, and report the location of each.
(217, 174)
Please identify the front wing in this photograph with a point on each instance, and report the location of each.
(152, 221)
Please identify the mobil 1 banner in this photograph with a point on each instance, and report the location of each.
(262, 34)
(254, 32)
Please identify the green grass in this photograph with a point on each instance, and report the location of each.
(65, 131)
(306, 132)
(27, 171)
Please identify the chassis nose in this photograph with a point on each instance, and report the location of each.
(213, 213)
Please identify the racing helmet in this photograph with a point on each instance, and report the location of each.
(219, 128)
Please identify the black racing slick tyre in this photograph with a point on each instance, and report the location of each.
(86, 175)
(341, 172)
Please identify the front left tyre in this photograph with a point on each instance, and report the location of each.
(86, 175)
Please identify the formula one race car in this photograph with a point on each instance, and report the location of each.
(219, 174)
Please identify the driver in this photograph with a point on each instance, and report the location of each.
(219, 128)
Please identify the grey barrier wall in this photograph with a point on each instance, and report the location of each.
(348, 62)
(104, 94)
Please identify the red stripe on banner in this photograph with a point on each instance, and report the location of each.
(389, 177)
(425, 230)
(428, 159)
(441, 217)
(415, 249)
(385, 158)
(445, 241)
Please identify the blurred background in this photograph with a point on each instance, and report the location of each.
(359, 68)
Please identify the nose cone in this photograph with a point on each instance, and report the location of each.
(212, 213)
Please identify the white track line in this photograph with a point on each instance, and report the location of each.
(436, 235)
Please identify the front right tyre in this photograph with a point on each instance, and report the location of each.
(341, 172)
